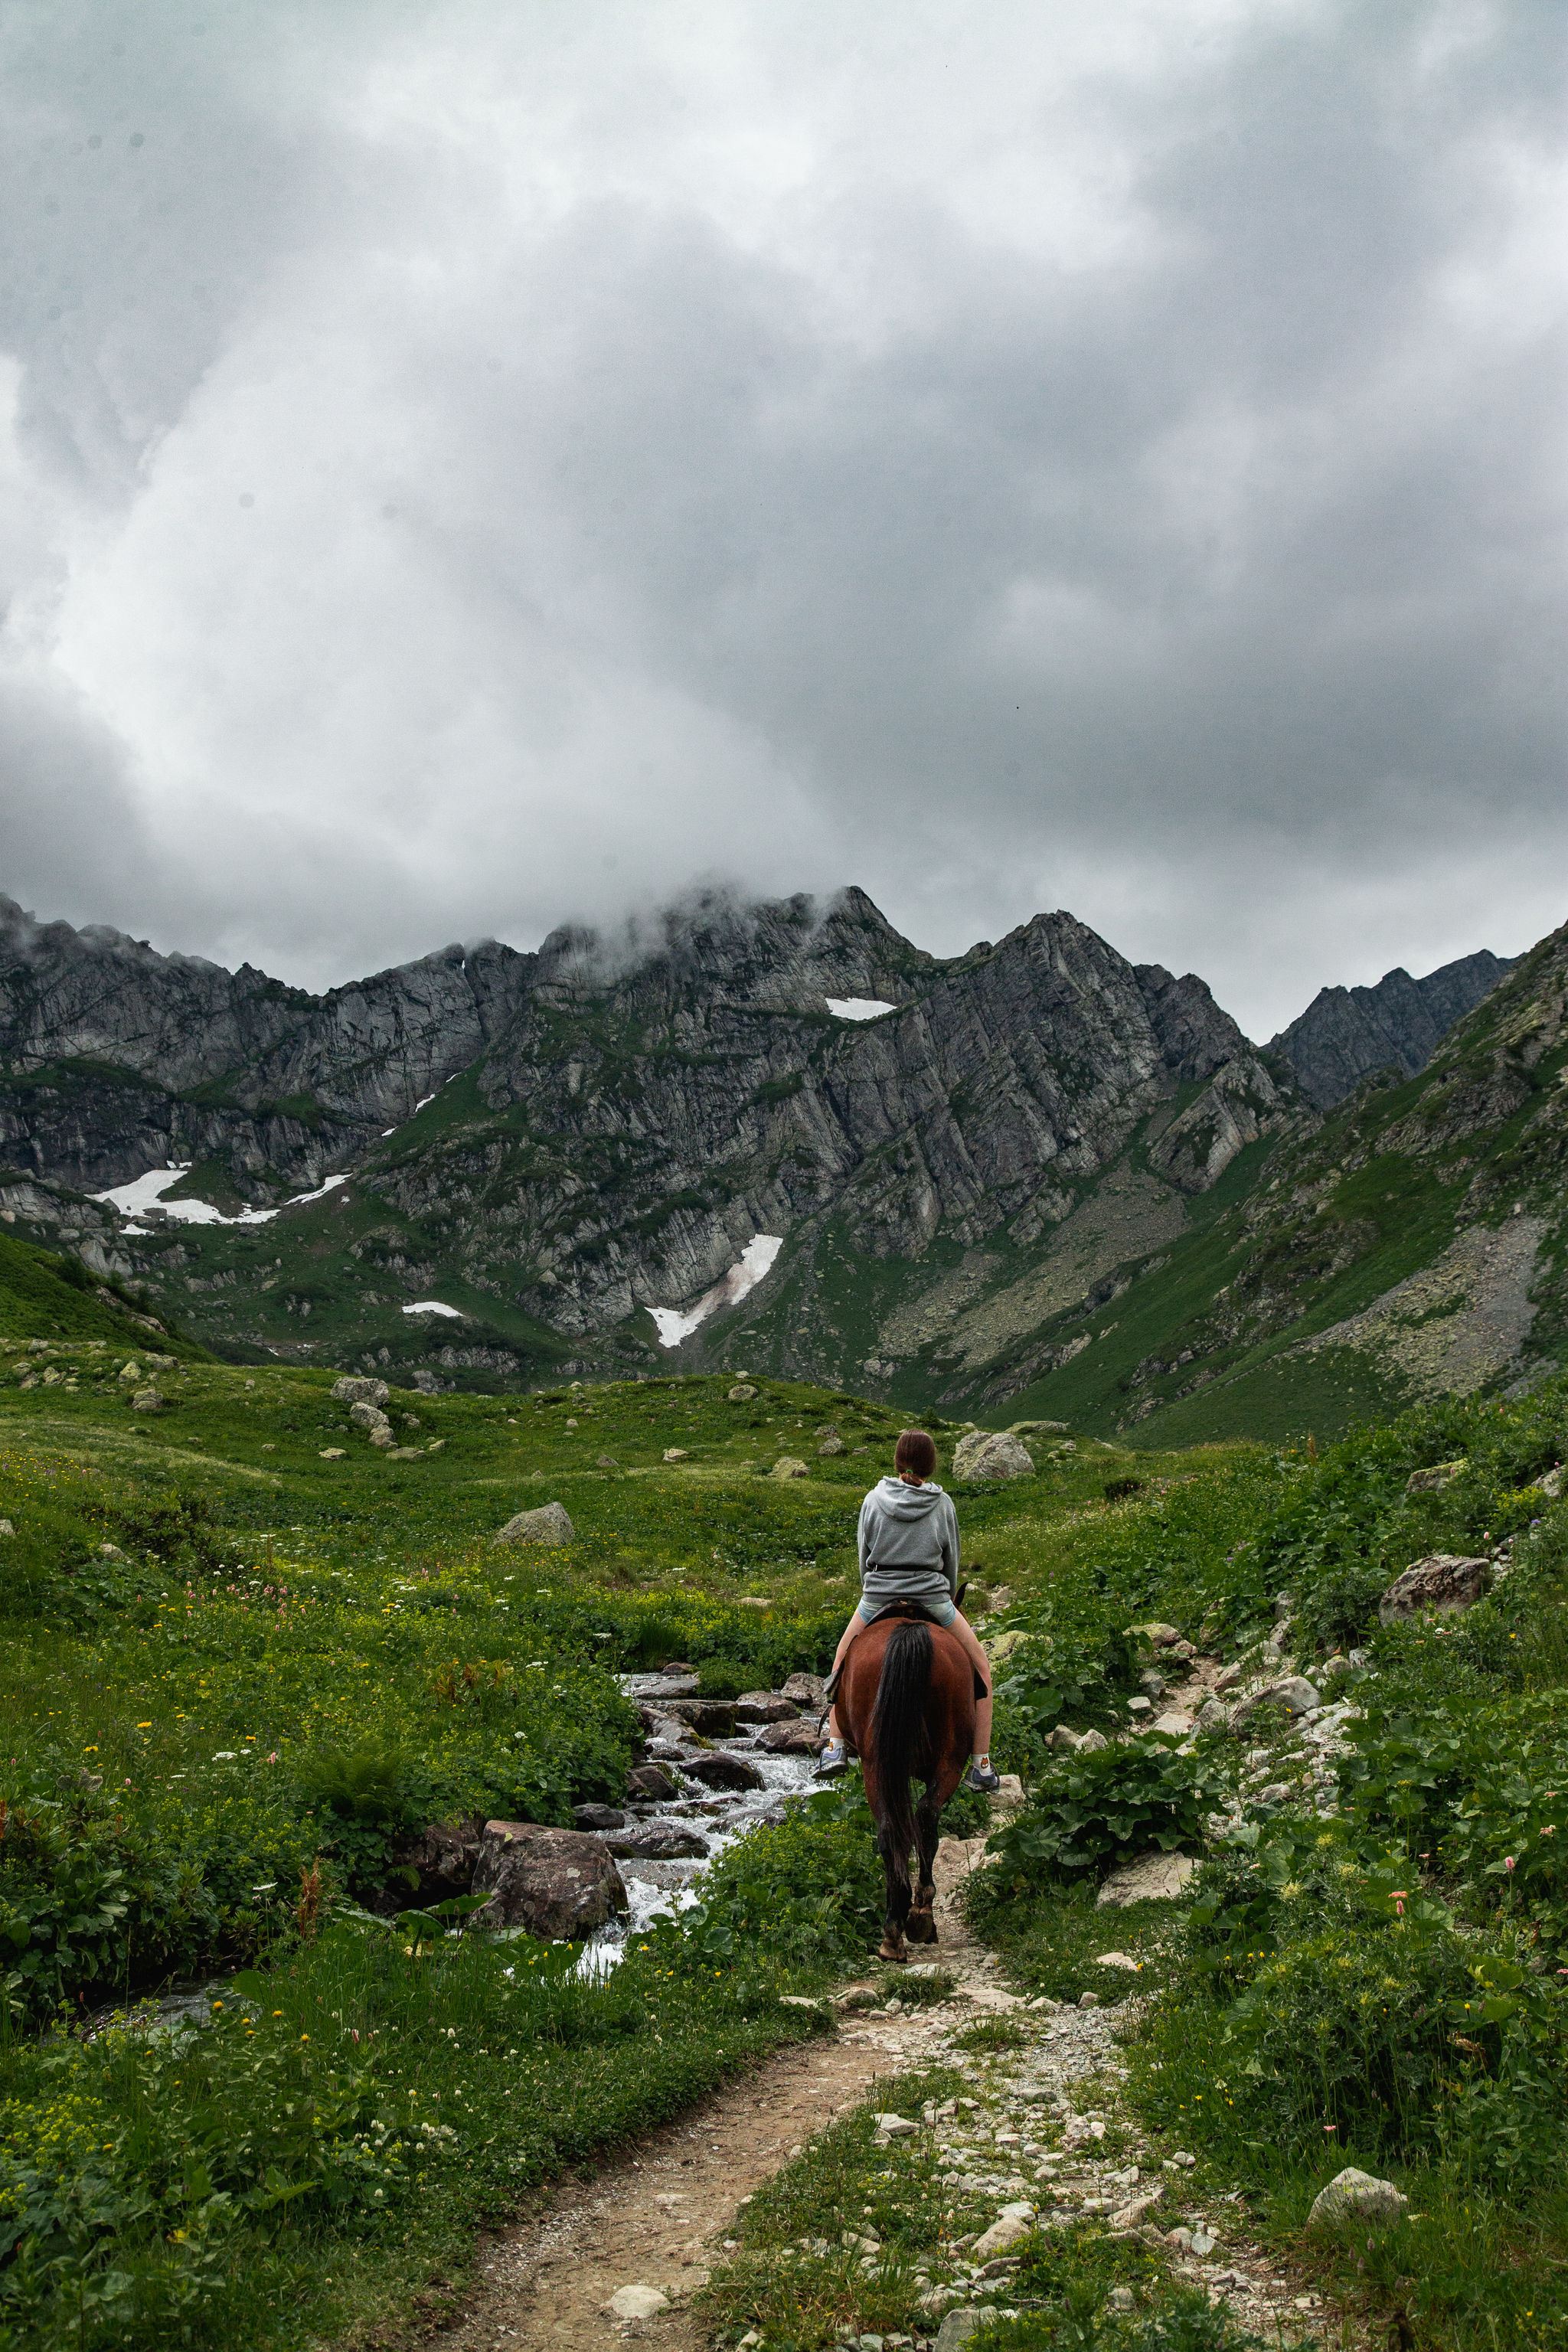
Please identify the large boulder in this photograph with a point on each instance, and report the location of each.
(1352, 2197)
(1013, 2223)
(789, 1465)
(763, 1706)
(1153, 1878)
(719, 1770)
(555, 1882)
(991, 1455)
(649, 1783)
(1295, 1693)
(713, 1717)
(796, 1738)
(1443, 1581)
(355, 1392)
(1433, 1481)
(550, 1524)
(365, 1416)
(805, 1690)
(444, 1857)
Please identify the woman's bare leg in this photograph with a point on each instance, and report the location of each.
(983, 1707)
(857, 1625)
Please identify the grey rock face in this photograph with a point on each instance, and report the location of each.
(1347, 1033)
(719, 1770)
(657, 1842)
(555, 1882)
(550, 1524)
(1443, 1581)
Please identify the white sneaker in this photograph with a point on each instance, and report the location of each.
(832, 1762)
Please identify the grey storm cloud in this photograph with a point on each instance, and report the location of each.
(463, 468)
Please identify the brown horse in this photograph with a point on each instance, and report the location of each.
(906, 1701)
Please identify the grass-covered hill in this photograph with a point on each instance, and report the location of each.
(245, 1656)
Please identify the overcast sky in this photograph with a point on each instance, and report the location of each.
(469, 465)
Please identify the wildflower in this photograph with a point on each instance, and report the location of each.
(1507, 1861)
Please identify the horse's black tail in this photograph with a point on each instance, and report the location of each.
(896, 1723)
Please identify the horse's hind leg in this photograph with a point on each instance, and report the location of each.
(928, 1829)
(896, 1869)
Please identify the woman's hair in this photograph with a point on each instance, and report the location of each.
(915, 1453)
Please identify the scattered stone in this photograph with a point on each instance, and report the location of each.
(598, 1816)
(1013, 2223)
(555, 1882)
(676, 1454)
(1433, 1481)
(1117, 1960)
(443, 1858)
(147, 1401)
(895, 2126)
(741, 1393)
(1230, 1677)
(788, 1466)
(960, 2324)
(1061, 1737)
(1153, 1878)
(1295, 1693)
(368, 1416)
(1550, 1484)
(1211, 1716)
(6, 1528)
(1136, 2211)
(805, 1689)
(991, 1455)
(1088, 2000)
(647, 1780)
(1172, 1726)
(606, 1461)
(1138, 1707)
(1442, 1580)
(1355, 2195)
(350, 1391)
(635, 2302)
(1091, 1742)
(1163, 1637)
(1121, 2298)
(331, 1453)
(719, 1770)
(831, 1446)
(550, 1524)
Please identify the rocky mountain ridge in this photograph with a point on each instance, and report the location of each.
(984, 1186)
(1346, 1033)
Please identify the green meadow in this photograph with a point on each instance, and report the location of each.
(246, 1655)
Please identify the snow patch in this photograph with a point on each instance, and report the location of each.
(433, 1307)
(134, 1199)
(858, 1008)
(674, 1324)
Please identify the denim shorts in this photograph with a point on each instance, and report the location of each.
(944, 1611)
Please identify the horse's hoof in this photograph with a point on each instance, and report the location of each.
(893, 1952)
(920, 1927)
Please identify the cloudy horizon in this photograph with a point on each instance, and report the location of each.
(464, 471)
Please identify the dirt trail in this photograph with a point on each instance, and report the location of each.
(659, 2217)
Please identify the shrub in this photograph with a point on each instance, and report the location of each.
(1094, 1810)
(804, 1894)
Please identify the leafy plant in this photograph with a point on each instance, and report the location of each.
(1091, 1810)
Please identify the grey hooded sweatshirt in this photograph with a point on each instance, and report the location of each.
(908, 1543)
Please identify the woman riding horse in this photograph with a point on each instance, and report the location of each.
(909, 1552)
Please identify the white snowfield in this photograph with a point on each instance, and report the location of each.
(133, 1199)
(433, 1307)
(674, 1324)
(858, 1008)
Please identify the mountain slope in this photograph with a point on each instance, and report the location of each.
(1346, 1033)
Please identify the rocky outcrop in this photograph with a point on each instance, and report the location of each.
(1444, 1580)
(1345, 1034)
(991, 1455)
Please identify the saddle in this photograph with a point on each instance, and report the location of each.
(916, 1610)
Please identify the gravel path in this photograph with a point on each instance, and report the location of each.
(659, 2218)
